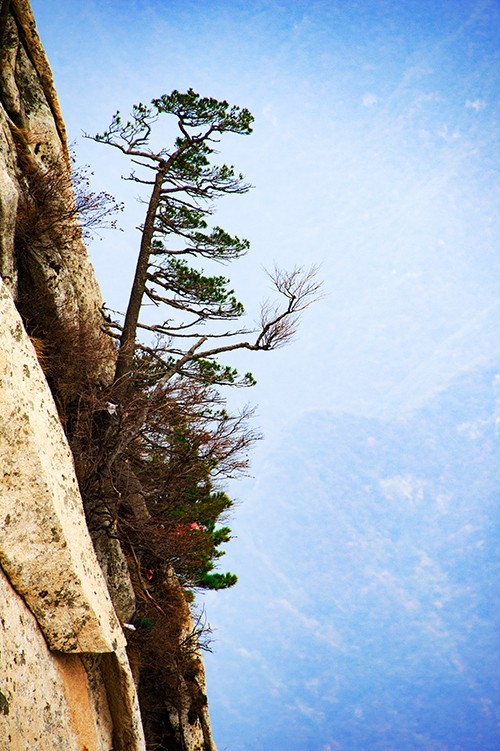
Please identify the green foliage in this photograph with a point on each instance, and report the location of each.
(215, 580)
(210, 372)
(186, 183)
(196, 111)
(188, 286)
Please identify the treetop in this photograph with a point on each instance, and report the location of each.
(194, 111)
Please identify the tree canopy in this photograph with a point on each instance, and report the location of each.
(183, 182)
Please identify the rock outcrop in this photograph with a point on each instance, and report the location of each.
(49, 272)
(48, 700)
(53, 593)
(65, 679)
(45, 547)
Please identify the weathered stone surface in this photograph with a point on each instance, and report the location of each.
(114, 567)
(51, 701)
(47, 701)
(8, 210)
(128, 733)
(55, 283)
(9, 196)
(45, 548)
(26, 21)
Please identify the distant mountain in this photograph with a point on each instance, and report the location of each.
(365, 617)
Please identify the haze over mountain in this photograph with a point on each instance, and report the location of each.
(366, 613)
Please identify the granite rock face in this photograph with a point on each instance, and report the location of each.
(48, 700)
(45, 547)
(42, 256)
(53, 594)
(59, 632)
(65, 678)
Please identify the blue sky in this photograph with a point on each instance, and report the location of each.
(374, 155)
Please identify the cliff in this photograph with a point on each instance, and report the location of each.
(65, 667)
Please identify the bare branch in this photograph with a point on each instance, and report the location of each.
(300, 288)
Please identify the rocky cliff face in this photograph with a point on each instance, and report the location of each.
(65, 677)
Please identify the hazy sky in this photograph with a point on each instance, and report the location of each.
(374, 155)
